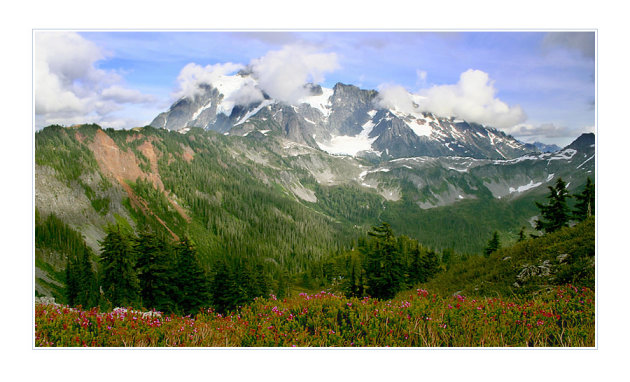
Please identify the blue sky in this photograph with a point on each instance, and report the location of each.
(124, 79)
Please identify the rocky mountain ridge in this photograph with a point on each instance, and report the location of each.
(342, 120)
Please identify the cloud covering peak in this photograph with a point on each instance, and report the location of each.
(472, 98)
(283, 73)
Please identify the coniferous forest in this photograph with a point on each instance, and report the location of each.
(228, 244)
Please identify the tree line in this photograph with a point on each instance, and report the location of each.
(556, 213)
(149, 271)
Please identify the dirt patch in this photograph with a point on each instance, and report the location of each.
(146, 148)
(123, 166)
(132, 138)
(188, 154)
(114, 162)
(80, 137)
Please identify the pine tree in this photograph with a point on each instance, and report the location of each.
(447, 258)
(384, 269)
(192, 282)
(430, 265)
(88, 295)
(223, 288)
(155, 272)
(416, 270)
(585, 206)
(119, 280)
(72, 282)
(555, 214)
(493, 245)
(521, 235)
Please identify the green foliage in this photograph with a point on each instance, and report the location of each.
(156, 272)
(493, 245)
(585, 206)
(380, 265)
(556, 213)
(191, 280)
(474, 219)
(54, 147)
(53, 234)
(564, 256)
(81, 282)
(224, 288)
(119, 279)
(384, 268)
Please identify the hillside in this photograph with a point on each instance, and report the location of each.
(270, 198)
(531, 266)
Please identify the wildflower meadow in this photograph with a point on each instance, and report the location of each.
(559, 318)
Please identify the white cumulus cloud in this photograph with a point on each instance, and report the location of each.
(395, 97)
(473, 99)
(193, 75)
(120, 94)
(283, 73)
(68, 85)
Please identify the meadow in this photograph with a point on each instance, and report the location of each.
(560, 317)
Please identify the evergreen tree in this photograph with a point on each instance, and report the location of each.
(88, 294)
(119, 280)
(555, 214)
(416, 269)
(384, 269)
(447, 258)
(585, 206)
(192, 282)
(72, 282)
(521, 235)
(223, 288)
(493, 245)
(155, 272)
(430, 265)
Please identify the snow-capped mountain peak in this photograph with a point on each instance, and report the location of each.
(342, 120)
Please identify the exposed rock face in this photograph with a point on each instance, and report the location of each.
(200, 111)
(344, 111)
(350, 107)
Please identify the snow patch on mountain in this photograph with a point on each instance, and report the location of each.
(253, 112)
(350, 145)
(320, 102)
(524, 188)
(201, 109)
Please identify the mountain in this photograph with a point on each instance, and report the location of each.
(263, 194)
(342, 120)
(545, 148)
(245, 176)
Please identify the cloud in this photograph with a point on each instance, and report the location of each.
(69, 87)
(395, 97)
(283, 73)
(422, 77)
(472, 99)
(193, 75)
(246, 94)
(123, 95)
(583, 42)
(546, 132)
